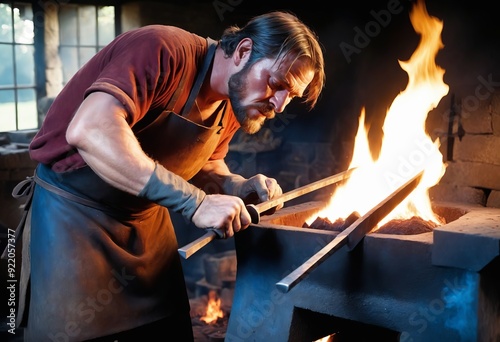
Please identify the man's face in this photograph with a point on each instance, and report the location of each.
(258, 91)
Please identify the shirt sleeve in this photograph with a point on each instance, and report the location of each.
(147, 67)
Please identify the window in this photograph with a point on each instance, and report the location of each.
(17, 67)
(83, 31)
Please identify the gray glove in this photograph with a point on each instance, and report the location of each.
(173, 192)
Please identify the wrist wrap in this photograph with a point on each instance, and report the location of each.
(173, 192)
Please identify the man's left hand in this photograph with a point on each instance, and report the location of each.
(258, 189)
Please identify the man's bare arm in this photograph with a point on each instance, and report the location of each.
(100, 132)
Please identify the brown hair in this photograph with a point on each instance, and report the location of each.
(275, 35)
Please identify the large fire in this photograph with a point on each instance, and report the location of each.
(406, 147)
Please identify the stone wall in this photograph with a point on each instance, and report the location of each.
(473, 171)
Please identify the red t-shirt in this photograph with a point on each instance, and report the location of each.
(142, 68)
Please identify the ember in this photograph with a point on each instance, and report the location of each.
(339, 225)
(414, 225)
(411, 226)
(209, 332)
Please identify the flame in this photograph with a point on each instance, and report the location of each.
(214, 311)
(328, 338)
(406, 147)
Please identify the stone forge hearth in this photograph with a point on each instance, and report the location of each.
(436, 286)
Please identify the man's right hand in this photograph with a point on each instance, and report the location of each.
(224, 212)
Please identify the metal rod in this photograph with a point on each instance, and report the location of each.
(256, 210)
(352, 235)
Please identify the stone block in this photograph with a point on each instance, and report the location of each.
(478, 148)
(494, 199)
(495, 113)
(477, 119)
(457, 194)
(470, 174)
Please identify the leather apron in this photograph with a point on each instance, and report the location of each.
(104, 261)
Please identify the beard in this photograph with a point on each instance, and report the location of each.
(237, 90)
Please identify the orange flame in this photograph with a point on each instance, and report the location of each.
(406, 148)
(214, 311)
(328, 338)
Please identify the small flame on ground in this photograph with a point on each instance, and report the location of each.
(328, 338)
(406, 147)
(214, 311)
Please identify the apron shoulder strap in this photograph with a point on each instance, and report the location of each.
(145, 122)
(212, 44)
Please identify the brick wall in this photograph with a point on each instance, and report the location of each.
(473, 171)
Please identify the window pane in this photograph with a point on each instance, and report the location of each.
(88, 25)
(68, 24)
(69, 61)
(23, 23)
(5, 23)
(106, 24)
(26, 108)
(25, 71)
(7, 111)
(6, 66)
(86, 54)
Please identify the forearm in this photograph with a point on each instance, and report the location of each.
(105, 141)
(103, 137)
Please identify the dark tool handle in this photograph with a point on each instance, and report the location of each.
(254, 213)
(213, 233)
(220, 234)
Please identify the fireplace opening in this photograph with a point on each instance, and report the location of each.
(309, 325)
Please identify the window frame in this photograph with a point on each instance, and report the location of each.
(16, 87)
(79, 45)
(39, 46)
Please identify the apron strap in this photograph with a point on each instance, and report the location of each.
(212, 44)
(115, 212)
(69, 195)
(145, 122)
(23, 189)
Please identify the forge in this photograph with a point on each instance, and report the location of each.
(435, 286)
